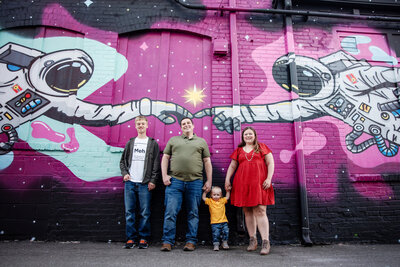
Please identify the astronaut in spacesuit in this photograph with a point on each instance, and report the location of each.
(363, 96)
(33, 83)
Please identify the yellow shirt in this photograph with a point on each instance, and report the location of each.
(217, 210)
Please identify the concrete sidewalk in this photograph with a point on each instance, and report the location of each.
(25, 253)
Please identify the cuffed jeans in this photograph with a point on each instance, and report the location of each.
(174, 195)
(220, 231)
(137, 195)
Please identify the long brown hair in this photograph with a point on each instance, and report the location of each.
(255, 143)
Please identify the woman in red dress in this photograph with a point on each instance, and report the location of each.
(252, 189)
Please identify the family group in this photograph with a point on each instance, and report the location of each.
(182, 164)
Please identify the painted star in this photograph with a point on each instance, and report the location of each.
(194, 96)
(88, 3)
(144, 46)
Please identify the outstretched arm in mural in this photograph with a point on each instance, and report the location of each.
(90, 114)
(229, 118)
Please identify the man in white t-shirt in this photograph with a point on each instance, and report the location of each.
(140, 169)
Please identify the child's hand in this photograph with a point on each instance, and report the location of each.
(228, 195)
(204, 196)
(228, 186)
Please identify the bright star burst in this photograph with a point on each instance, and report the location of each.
(194, 96)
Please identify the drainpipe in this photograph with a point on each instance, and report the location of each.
(290, 12)
(297, 128)
(235, 90)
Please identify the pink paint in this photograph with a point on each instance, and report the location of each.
(263, 58)
(374, 190)
(366, 49)
(369, 158)
(166, 70)
(73, 145)
(286, 155)
(43, 130)
(312, 141)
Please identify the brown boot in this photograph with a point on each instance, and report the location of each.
(266, 247)
(189, 247)
(252, 244)
(166, 247)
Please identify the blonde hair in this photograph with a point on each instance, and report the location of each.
(139, 118)
(216, 188)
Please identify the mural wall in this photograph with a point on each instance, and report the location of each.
(74, 75)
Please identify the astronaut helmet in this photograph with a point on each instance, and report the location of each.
(61, 73)
(315, 80)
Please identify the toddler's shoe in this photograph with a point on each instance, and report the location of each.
(225, 245)
(216, 246)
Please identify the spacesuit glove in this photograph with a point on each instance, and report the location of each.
(163, 110)
(223, 118)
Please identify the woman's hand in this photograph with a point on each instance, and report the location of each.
(231, 169)
(228, 186)
(266, 184)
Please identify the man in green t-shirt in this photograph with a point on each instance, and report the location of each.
(187, 154)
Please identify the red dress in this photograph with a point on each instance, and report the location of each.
(251, 173)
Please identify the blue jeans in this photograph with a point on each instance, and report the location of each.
(137, 195)
(220, 231)
(174, 194)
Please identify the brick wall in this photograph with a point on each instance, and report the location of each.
(50, 194)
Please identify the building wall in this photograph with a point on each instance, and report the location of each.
(338, 127)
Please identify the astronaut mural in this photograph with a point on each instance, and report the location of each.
(34, 84)
(39, 87)
(363, 96)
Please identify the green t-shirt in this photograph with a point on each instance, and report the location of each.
(187, 157)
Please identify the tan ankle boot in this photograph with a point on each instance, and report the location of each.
(266, 247)
(252, 244)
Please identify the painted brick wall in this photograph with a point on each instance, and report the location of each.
(72, 189)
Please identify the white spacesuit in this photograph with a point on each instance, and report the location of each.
(363, 96)
(33, 83)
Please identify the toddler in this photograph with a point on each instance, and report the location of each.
(219, 222)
